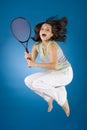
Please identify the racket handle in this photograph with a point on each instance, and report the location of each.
(28, 52)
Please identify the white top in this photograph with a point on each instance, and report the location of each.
(62, 61)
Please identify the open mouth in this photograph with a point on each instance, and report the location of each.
(44, 35)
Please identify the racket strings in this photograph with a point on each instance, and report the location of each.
(21, 30)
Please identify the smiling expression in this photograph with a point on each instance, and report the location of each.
(46, 32)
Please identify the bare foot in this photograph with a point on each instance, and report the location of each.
(50, 106)
(66, 108)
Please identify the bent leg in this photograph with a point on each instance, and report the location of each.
(49, 82)
(29, 81)
(52, 84)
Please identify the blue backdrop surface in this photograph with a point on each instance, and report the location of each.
(20, 108)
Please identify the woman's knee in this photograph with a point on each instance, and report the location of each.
(27, 81)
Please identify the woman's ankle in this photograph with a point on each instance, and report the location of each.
(50, 105)
(66, 108)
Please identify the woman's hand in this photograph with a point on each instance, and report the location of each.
(30, 63)
(28, 56)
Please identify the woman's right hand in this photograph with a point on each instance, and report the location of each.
(27, 56)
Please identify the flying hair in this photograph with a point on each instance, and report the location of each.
(58, 28)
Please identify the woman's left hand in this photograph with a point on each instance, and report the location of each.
(30, 63)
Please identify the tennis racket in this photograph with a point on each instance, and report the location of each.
(21, 30)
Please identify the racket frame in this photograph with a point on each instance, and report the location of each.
(24, 43)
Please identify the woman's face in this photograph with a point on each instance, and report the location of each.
(46, 32)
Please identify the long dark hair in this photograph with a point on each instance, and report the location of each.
(58, 29)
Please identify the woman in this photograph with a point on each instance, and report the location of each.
(51, 83)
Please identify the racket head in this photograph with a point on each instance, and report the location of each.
(21, 29)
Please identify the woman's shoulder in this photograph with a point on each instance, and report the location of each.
(53, 44)
(37, 46)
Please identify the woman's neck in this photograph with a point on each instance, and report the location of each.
(45, 42)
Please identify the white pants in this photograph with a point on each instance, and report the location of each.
(51, 84)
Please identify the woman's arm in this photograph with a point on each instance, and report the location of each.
(31, 55)
(53, 63)
(34, 53)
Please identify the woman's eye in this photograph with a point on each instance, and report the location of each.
(47, 30)
(42, 29)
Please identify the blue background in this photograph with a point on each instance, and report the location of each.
(20, 108)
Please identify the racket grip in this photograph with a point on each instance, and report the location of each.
(28, 52)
